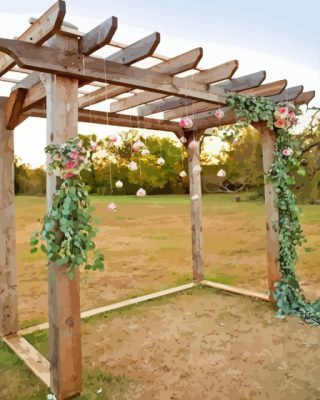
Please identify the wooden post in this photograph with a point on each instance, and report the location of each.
(196, 214)
(65, 352)
(8, 273)
(272, 220)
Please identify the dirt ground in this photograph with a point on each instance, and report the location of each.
(147, 246)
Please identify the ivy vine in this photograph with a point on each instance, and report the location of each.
(288, 292)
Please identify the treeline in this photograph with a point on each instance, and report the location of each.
(241, 160)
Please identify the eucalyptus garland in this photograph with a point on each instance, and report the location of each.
(288, 293)
(67, 233)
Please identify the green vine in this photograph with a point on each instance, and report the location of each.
(288, 293)
(67, 233)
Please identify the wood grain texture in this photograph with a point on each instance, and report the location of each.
(98, 36)
(272, 214)
(236, 290)
(196, 215)
(14, 107)
(304, 97)
(211, 75)
(184, 105)
(30, 356)
(173, 66)
(40, 31)
(65, 352)
(8, 272)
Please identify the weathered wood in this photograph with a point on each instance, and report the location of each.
(272, 214)
(268, 89)
(30, 356)
(128, 121)
(14, 107)
(63, 293)
(211, 75)
(40, 31)
(71, 64)
(8, 273)
(304, 97)
(196, 214)
(235, 290)
(98, 36)
(179, 104)
(287, 95)
(173, 66)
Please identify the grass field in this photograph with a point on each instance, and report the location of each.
(147, 248)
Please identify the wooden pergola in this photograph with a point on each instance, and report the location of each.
(62, 79)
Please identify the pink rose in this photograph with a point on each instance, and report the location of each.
(281, 112)
(280, 123)
(292, 117)
(69, 175)
(74, 154)
(71, 164)
(112, 138)
(287, 152)
(219, 114)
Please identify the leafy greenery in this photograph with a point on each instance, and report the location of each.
(288, 293)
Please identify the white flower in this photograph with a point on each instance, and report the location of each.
(183, 174)
(99, 391)
(141, 192)
(183, 140)
(197, 169)
(119, 184)
(51, 397)
(195, 197)
(160, 161)
(137, 145)
(132, 166)
(145, 152)
(221, 173)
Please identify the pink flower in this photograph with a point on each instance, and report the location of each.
(193, 145)
(112, 207)
(112, 138)
(219, 114)
(71, 164)
(287, 152)
(186, 122)
(74, 154)
(137, 145)
(292, 117)
(141, 192)
(280, 123)
(281, 112)
(69, 175)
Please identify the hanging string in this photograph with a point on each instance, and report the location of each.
(110, 176)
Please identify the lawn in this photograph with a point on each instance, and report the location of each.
(147, 246)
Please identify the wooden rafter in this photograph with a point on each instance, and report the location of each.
(50, 60)
(236, 84)
(305, 97)
(175, 65)
(208, 76)
(14, 107)
(269, 89)
(98, 36)
(40, 31)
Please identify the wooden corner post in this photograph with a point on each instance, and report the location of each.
(65, 352)
(196, 211)
(272, 214)
(8, 273)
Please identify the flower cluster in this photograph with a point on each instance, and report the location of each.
(69, 159)
(285, 116)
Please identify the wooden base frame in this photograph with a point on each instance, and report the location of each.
(40, 366)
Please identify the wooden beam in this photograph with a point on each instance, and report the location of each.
(211, 75)
(177, 103)
(173, 66)
(39, 32)
(98, 36)
(287, 95)
(304, 97)
(268, 89)
(65, 351)
(38, 364)
(14, 107)
(128, 121)
(235, 290)
(8, 271)
(196, 213)
(272, 215)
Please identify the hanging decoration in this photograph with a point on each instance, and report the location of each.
(160, 161)
(119, 184)
(133, 166)
(141, 193)
(183, 139)
(221, 173)
(219, 114)
(186, 123)
(183, 174)
(288, 292)
(195, 197)
(66, 230)
(137, 146)
(193, 145)
(197, 169)
(112, 138)
(145, 152)
(112, 207)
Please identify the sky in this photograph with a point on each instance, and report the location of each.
(281, 37)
